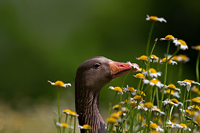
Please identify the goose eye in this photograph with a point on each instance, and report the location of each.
(97, 65)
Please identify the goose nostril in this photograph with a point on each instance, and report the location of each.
(121, 66)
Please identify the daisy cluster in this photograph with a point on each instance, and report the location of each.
(158, 103)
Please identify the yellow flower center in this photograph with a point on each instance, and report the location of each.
(197, 47)
(174, 100)
(169, 125)
(155, 81)
(154, 125)
(111, 120)
(148, 105)
(189, 81)
(73, 113)
(153, 18)
(152, 70)
(116, 106)
(120, 113)
(143, 57)
(171, 86)
(64, 124)
(59, 83)
(140, 75)
(67, 111)
(197, 100)
(154, 56)
(188, 111)
(164, 60)
(196, 122)
(86, 126)
(118, 89)
(169, 37)
(198, 118)
(137, 97)
(169, 91)
(193, 113)
(195, 106)
(196, 90)
(183, 125)
(131, 89)
(158, 109)
(183, 57)
(175, 58)
(115, 115)
(182, 42)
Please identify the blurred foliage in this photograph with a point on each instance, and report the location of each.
(48, 40)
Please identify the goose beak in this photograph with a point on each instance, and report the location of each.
(119, 68)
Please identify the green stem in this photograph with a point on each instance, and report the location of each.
(70, 130)
(190, 97)
(138, 88)
(151, 90)
(137, 120)
(178, 48)
(142, 87)
(170, 114)
(165, 74)
(131, 120)
(197, 68)
(65, 122)
(75, 124)
(59, 107)
(153, 47)
(183, 104)
(157, 97)
(154, 93)
(111, 128)
(149, 119)
(120, 101)
(166, 115)
(149, 39)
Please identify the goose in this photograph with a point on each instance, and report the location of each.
(91, 76)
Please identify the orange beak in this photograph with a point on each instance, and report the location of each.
(118, 68)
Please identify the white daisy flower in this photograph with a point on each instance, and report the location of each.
(156, 127)
(117, 89)
(173, 102)
(172, 87)
(153, 82)
(180, 43)
(152, 73)
(59, 83)
(169, 61)
(156, 109)
(168, 38)
(180, 58)
(154, 58)
(187, 83)
(155, 18)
